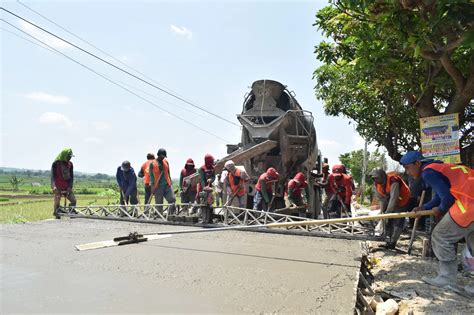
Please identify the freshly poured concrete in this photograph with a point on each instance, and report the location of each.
(219, 272)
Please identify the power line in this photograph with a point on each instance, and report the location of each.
(123, 83)
(94, 46)
(118, 68)
(112, 81)
(26, 39)
(161, 99)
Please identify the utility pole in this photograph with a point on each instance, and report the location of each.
(364, 171)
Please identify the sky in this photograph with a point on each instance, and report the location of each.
(207, 52)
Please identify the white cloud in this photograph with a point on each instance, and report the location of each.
(123, 58)
(100, 125)
(182, 31)
(359, 141)
(52, 118)
(328, 142)
(48, 98)
(92, 140)
(44, 37)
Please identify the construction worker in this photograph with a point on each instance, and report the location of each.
(62, 180)
(453, 206)
(264, 195)
(394, 196)
(294, 193)
(160, 181)
(145, 174)
(219, 188)
(188, 191)
(341, 184)
(127, 182)
(235, 183)
(204, 195)
(324, 183)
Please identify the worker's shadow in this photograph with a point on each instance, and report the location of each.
(355, 265)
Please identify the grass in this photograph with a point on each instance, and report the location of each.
(33, 199)
(28, 210)
(20, 210)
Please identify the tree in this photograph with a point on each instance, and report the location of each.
(353, 161)
(391, 62)
(15, 182)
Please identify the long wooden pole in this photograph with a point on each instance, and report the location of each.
(415, 224)
(138, 238)
(304, 223)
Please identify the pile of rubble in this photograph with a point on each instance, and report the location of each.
(398, 288)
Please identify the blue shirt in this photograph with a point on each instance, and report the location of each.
(127, 181)
(440, 185)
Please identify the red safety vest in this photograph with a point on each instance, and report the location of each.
(146, 172)
(157, 173)
(235, 187)
(208, 173)
(461, 179)
(404, 196)
(264, 177)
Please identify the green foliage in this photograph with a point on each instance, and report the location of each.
(23, 209)
(15, 182)
(382, 66)
(111, 194)
(354, 163)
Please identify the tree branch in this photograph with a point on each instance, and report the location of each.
(430, 55)
(453, 71)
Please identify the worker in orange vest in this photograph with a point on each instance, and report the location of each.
(160, 181)
(235, 183)
(453, 206)
(145, 174)
(393, 194)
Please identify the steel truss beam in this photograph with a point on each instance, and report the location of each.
(158, 214)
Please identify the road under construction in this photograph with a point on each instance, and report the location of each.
(226, 271)
(220, 271)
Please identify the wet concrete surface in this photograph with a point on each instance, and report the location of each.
(219, 272)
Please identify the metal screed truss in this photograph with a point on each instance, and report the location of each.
(227, 216)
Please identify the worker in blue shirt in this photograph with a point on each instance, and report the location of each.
(453, 207)
(127, 182)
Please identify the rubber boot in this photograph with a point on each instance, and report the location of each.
(446, 276)
(469, 288)
(397, 231)
(56, 213)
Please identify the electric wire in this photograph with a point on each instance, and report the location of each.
(161, 99)
(123, 83)
(117, 67)
(97, 48)
(113, 82)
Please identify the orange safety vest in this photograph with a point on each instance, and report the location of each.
(240, 187)
(404, 196)
(157, 173)
(461, 179)
(146, 172)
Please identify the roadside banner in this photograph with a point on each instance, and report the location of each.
(440, 138)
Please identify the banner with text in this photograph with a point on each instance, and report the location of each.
(440, 138)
